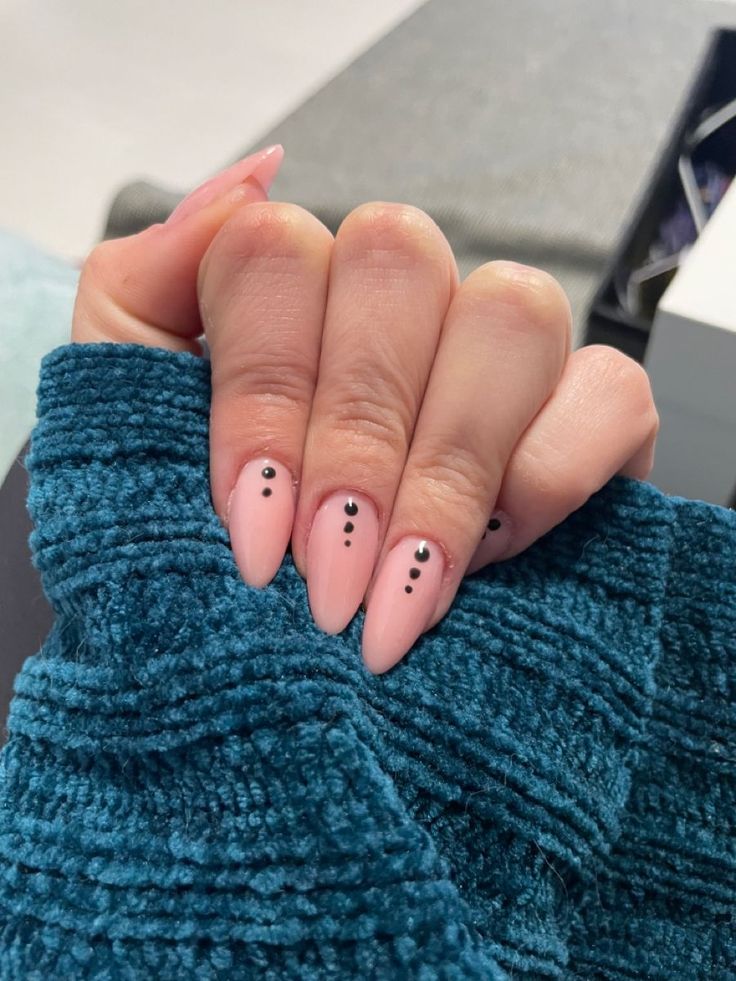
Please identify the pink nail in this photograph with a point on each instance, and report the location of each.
(341, 554)
(494, 543)
(260, 519)
(403, 601)
(263, 166)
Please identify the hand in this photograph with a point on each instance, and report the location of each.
(401, 428)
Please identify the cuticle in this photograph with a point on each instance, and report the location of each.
(250, 459)
(347, 493)
(228, 504)
(449, 562)
(449, 566)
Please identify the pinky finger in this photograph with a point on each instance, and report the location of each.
(600, 421)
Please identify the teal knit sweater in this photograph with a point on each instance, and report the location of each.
(199, 784)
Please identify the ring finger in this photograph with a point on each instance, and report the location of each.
(503, 348)
(600, 421)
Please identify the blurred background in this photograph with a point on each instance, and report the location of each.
(593, 138)
(94, 95)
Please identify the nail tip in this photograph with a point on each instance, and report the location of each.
(257, 580)
(337, 577)
(375, 662)
(330, 625)
(257, 583)
(268, 166)
(331, 632)
(376, 670)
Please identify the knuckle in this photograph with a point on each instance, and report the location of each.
(573, 490)
(626, 377)
(535, 299)
(388, 233)
(267, 378)
(98, 267)
(361, 417)
(271, 228)
(105, 293)
(564, 488)
(637, 387)
(654, 421)
(452, 474)
(552, 475)
(268, 230)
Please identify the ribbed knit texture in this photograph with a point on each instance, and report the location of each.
(200, 784)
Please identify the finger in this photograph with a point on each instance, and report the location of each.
(142, 289)
(600, 421)
(263, 289)
(503, 348)
(391, 280)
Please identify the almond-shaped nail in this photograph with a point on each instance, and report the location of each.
(260, 519)
(404, 597)
(263, 166)
(341, 554)
(494, 543)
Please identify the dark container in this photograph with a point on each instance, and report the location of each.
(714, 84)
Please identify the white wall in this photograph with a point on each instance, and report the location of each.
(95, 94)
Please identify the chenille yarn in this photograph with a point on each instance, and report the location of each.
(199, 784)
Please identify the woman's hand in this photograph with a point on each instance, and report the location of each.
(403, 429)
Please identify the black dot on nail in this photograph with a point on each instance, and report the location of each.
(408, 589)
(349, 526)
(351, 508)
(494, 524)
(422, 554)
(267, 492)
(414, 573)
(268, 472)
(347, 543)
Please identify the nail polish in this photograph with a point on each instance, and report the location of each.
(341, 554)
(494, 543)
(260, 519)
(403, 600)
(263, 166)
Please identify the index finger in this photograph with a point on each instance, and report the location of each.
(142, 289)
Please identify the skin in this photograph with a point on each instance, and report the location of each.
(361, 361)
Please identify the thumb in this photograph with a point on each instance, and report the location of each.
(142, 289)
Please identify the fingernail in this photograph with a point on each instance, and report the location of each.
(341, 555)
(260, 519)
(403, 600)
(263, 166)
(494, 543)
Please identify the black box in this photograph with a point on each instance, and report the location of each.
(609, 322)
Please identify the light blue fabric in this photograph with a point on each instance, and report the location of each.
(36, 301)
(199, 784)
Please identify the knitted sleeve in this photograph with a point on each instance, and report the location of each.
(199, 784)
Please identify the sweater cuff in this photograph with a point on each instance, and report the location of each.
(131, 399)
(119, 451)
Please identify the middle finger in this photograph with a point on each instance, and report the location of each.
(392, 276)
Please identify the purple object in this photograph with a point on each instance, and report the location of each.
(678, 229)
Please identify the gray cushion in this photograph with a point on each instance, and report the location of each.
(526, 130)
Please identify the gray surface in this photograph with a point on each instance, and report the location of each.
(36, 300)
(25, 615)
(525, 129)
(93, 94)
